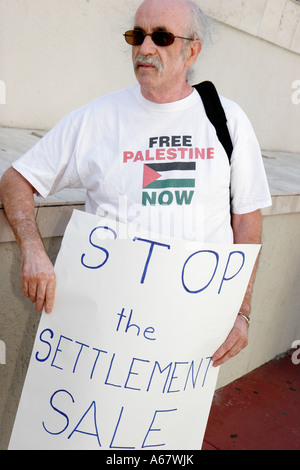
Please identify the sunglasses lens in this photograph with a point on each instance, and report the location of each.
(163, 38)
(134, 38)
(160, 38)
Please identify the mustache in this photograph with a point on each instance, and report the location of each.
(150, 60)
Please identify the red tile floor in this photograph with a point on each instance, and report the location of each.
(260, 411)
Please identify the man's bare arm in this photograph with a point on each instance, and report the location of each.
(246, 230)
(37, 275)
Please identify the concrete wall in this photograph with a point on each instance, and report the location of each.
(276, 298)
(18, 325)
(57, 55)
(18, 318)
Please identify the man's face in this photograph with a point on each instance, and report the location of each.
(166, 65)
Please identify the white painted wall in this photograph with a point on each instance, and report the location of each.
(56, 55)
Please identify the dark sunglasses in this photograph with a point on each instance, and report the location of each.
(160, 38)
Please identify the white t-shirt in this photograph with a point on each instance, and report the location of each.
(159, 166)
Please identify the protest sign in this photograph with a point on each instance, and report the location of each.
(124, 360)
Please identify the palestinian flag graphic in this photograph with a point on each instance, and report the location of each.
(169, 175)
(165, 183)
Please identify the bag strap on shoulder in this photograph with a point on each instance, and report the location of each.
(215, 114)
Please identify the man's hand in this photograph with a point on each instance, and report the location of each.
(246, 229)
(37, 274)
(235, 342)
(38, 279)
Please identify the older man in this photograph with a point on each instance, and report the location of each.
(152, 146)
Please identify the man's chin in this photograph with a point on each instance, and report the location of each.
(146, 81)
(147, 74)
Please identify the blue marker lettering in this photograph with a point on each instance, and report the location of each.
(99, 248)
(152, 244)
(46, 342)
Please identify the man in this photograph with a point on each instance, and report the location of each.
(113, 147)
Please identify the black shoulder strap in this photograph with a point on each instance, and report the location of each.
(215, 114)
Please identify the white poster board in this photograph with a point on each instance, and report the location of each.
(124, 360)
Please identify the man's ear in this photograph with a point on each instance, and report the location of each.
(193, 52)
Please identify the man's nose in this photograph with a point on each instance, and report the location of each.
(148, 47)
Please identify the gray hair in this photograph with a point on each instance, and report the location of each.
(198, 24)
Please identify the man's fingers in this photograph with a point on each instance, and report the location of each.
(25, 287)
(227, 352)
(226, 346)
(50, 296)
(39, 283)
(45, 295)
(235, 342)
(32, 291)
(41, 296)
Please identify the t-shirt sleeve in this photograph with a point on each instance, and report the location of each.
(51, 165)
(249, 185)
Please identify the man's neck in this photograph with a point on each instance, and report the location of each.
(166, 96)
